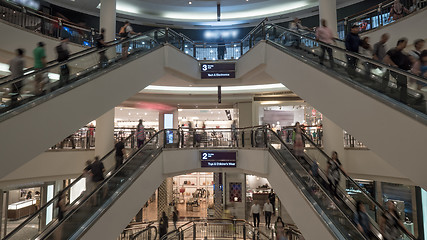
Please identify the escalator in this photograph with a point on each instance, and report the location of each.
(139, 176)
(63, 105)
(381, 106)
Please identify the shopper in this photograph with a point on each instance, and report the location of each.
(97, 171)
(420, 69)
(296, 26)
(268, 210)
(366, 51)
(298, 141)
(63, 54)
(235, 141)
(419, 46)
(125, 33)
(362, 220)
(29, 195)
(62, 208)
(100, 44)
(397, 11)
(163, 225)
(396, 58)
(87, 174)
(221, 49)
(279, 227)
(333, 170)
(140, 134)
(175, 215)
(255, 211)
(380, 50)
(16, 67)
(352, 43)
(324, 34)
(39, 63)
(120, 152)
(389, 224)
(272, 199)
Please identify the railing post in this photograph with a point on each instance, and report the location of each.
(345, 26)
(252, 138)
(181, 234)
(149, 235)
(167, 35)
(250, 41)
(241, 48)
(164, 138)
(194, 231)
(182, 44)
(194, 50)
(234, 229)
(263, 30)
(244, 231)
(265, 136)
(243, 138)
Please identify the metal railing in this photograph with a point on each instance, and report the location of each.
(378, 16)
(40, 22)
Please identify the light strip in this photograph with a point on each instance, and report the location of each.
(205, 90)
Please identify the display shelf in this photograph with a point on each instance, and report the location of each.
(21, 209)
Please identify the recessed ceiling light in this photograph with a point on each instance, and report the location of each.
(190, 3)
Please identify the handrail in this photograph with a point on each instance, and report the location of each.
(254, 29)
(55, 197)
(115, 43)
(353, 182)
(366, 11)
(305, 170)
(99, 186)
(134, 236)
(365, 59)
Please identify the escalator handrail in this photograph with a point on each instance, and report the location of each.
(356, 55)
(34, 215)
(134, 236)
(308, 174)
(73, 55)
(112, 173)
(248, 35)
(348, 178)
(56, 63)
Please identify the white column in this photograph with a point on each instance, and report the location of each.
(108, 18)
(104, 134)
(328, 11)
(245, 114)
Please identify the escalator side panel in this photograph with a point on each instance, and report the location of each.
(298, 207)
(39, 127)
(377, 124)
(119, 214)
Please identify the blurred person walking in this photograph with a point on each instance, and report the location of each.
(366, 51)
(324, 34)
(175, 216)
(120, 152)
(380, 51)
(419, 46)
(16, 67)
(140, 134)
(389, 223)
(296, 26)
(334, 175)
(397, 58)
(97, 170)
(163, 225)
(126, 31)
(100, 44)
(420, 69)
(298, 141)
(39, 63)
(279, 227)
(352, 43)
(268, 210)
(362, 220)
(63, 54)
(255, 211)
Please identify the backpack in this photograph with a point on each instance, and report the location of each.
(63, 54)
(122, 32)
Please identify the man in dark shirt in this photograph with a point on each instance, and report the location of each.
(120, 152)
(97, 169)
(100, 44)
(352, 43)
(396, 58)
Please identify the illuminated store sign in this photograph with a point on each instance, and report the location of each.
(218, 70)
(217, 159)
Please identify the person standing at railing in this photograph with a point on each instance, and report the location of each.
(324, 34)
(296, 26)
(39, 63)
(100, 44)
(298, 140)
(140, 134)
(255, 211)
(397, 58)
(221, 49)
(235, 142)
(16, 67)
(63, 54)
(352, 44)
(397, 10)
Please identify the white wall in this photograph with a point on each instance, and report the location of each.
(14, 37)
(411, 27)
(367, 119)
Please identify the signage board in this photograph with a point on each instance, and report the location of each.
(218, 159)
(218, 70)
